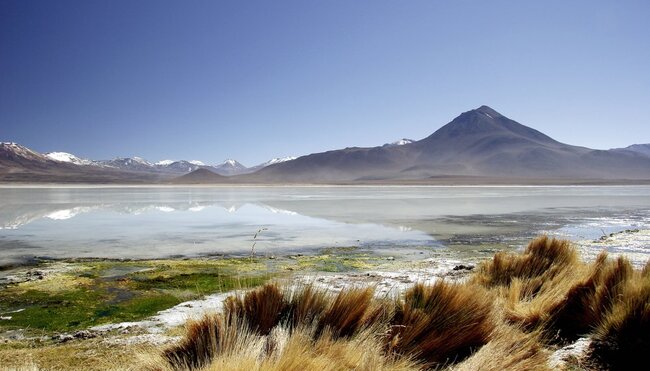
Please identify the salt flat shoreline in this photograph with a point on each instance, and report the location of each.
(441, 182)
(389, 278)
(387, 282)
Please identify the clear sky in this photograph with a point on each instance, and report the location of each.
(252, 80)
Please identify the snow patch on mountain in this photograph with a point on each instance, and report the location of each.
(278, 160)
(21, 151)
(401, 142)
(197, 162)
(68, 157)
(230, 162)
(140, 160)
(270, 162)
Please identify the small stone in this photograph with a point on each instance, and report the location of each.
(390, 258)
(84, 334)
(63, 338)
(463, 267)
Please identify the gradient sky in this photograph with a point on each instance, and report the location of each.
(252, 80)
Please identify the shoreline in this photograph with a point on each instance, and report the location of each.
(441, 182)
(389, 277)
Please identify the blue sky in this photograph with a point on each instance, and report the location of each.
(252, 80)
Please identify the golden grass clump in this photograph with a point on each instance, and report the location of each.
(301, 352)
(350, 311)
(543, 259)
(204, 339)
(622, 337)
(306, 305)
(509, 348)
(288, 329)
(441, 323)
(262, 308)
(505, 317)
(531, 284)
(587, 302)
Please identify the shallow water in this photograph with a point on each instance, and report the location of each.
(151, 222)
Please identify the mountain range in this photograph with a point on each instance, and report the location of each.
(19, 163)
(480, 145)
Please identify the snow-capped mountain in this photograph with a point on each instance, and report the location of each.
(19, 163)
(229, 167)
(180, 167)
(69, 158)
(129, 163)
(11, 151)
(277, 160)
(164, 162)
(478, 144)
(14, 153)
(400, 142)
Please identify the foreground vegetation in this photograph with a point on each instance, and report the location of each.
(89, 293)
(511, 313)
(508, 315)
(84, 293)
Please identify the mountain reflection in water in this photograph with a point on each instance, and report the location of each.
(141, 222)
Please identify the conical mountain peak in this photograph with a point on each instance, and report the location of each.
(479, 124)
(486, 110)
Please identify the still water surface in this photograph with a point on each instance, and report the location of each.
(151, 222)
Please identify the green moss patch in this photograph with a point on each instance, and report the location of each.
(85, 293)
(337, 263)
(91, 293)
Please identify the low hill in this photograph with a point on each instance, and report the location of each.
(201, 176)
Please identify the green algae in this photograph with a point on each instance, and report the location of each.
(82, 293)
(91, 293)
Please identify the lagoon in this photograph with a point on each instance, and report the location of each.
(162, 222)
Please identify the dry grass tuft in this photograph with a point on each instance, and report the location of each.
(502, 318)
(441, 323)
(347, 313)
(543, 259)
(262, 308)
(508, 349)
(622, 336)
(302, 352)
(203, 340)
(587, 302)
(549, 288)
(306, 305)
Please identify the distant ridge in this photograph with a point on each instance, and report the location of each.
(200, 176)
(642, 149)
(480, 145)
